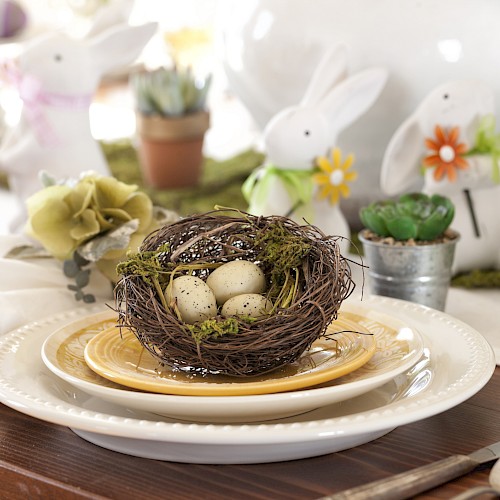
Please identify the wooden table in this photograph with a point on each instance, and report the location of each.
(39, 460)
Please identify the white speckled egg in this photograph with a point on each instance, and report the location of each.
(235, 278)
(247, 304)
(195, 299)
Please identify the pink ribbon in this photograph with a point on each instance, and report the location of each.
(35, 100)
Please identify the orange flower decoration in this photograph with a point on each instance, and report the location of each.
(446, 154)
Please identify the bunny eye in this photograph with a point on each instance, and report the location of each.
(445, 96)
(307, 132)
(57, 57)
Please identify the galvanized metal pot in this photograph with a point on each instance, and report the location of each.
(417, 273)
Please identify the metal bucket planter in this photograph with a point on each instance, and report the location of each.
(417, 273)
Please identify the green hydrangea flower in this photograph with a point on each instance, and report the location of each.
(62, 218)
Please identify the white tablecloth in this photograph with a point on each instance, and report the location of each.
(33, 289)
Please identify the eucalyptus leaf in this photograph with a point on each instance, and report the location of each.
(88, 298)
(70, 268)
(82, 278)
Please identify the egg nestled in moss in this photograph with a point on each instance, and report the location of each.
(193, 299)
(247, 304)
(236, 278)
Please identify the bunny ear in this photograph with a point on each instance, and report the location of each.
(119, 45)
(331, 69)
(113, 14)
(400, 166)
(353, 97)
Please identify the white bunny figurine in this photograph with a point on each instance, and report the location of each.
(56, 77)
(298, 135)
(451, 134)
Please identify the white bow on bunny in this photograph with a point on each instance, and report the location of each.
(452, 135)
(298, 135)
(56, 78)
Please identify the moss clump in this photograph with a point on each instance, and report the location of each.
(282, 252)
(478, 278)
(213, 328)
(220, 183)
(147, 265)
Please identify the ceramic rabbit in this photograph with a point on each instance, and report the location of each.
(299, 134)
(56, 77)
(444, 133)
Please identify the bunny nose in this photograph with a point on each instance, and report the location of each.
(336, 177)
(446, 153)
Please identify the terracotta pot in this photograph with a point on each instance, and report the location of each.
(171, 149)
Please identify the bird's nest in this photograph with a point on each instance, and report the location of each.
(307, 280)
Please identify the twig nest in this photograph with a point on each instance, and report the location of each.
(295, 280)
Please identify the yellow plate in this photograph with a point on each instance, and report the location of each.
(122, 359)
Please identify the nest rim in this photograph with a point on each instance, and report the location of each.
(261, 345)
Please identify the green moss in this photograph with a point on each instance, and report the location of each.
(282, 253)
(145, 264)
(477, 279)
(213, 328)
(148, 266)
(220, 184)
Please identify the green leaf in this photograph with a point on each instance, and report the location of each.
(372, 220)
(88, 298)
(402, 228)
(82, 278)
(70, 268)
(413, 215)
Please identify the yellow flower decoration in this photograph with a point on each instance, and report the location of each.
(334, 176)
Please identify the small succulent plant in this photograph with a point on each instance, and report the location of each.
(412, 216)
(169, 92)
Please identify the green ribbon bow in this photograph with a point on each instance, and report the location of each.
(488, 142)
(298, 183)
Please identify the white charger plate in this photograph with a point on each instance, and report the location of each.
(457, 363)
(398, 348)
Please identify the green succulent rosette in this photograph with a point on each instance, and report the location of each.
(412, 216)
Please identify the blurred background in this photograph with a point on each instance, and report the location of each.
(261, 54)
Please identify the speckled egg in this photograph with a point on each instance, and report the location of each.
(235, 278)
(195, 299)
(247, 304)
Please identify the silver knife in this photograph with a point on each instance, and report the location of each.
(410, 483)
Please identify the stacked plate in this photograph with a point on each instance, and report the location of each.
(390, 363)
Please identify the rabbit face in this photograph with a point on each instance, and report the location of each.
(295, 137)
(60, 64)
(456, 103)
(459, 103)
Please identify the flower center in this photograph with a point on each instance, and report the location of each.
(446, 153)
(337, 177)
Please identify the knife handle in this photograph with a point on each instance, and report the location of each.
(409, 483)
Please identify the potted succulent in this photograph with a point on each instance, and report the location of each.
(171, 123)
(409, 247)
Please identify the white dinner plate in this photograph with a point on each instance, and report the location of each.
(398, 348)
(457, 362)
